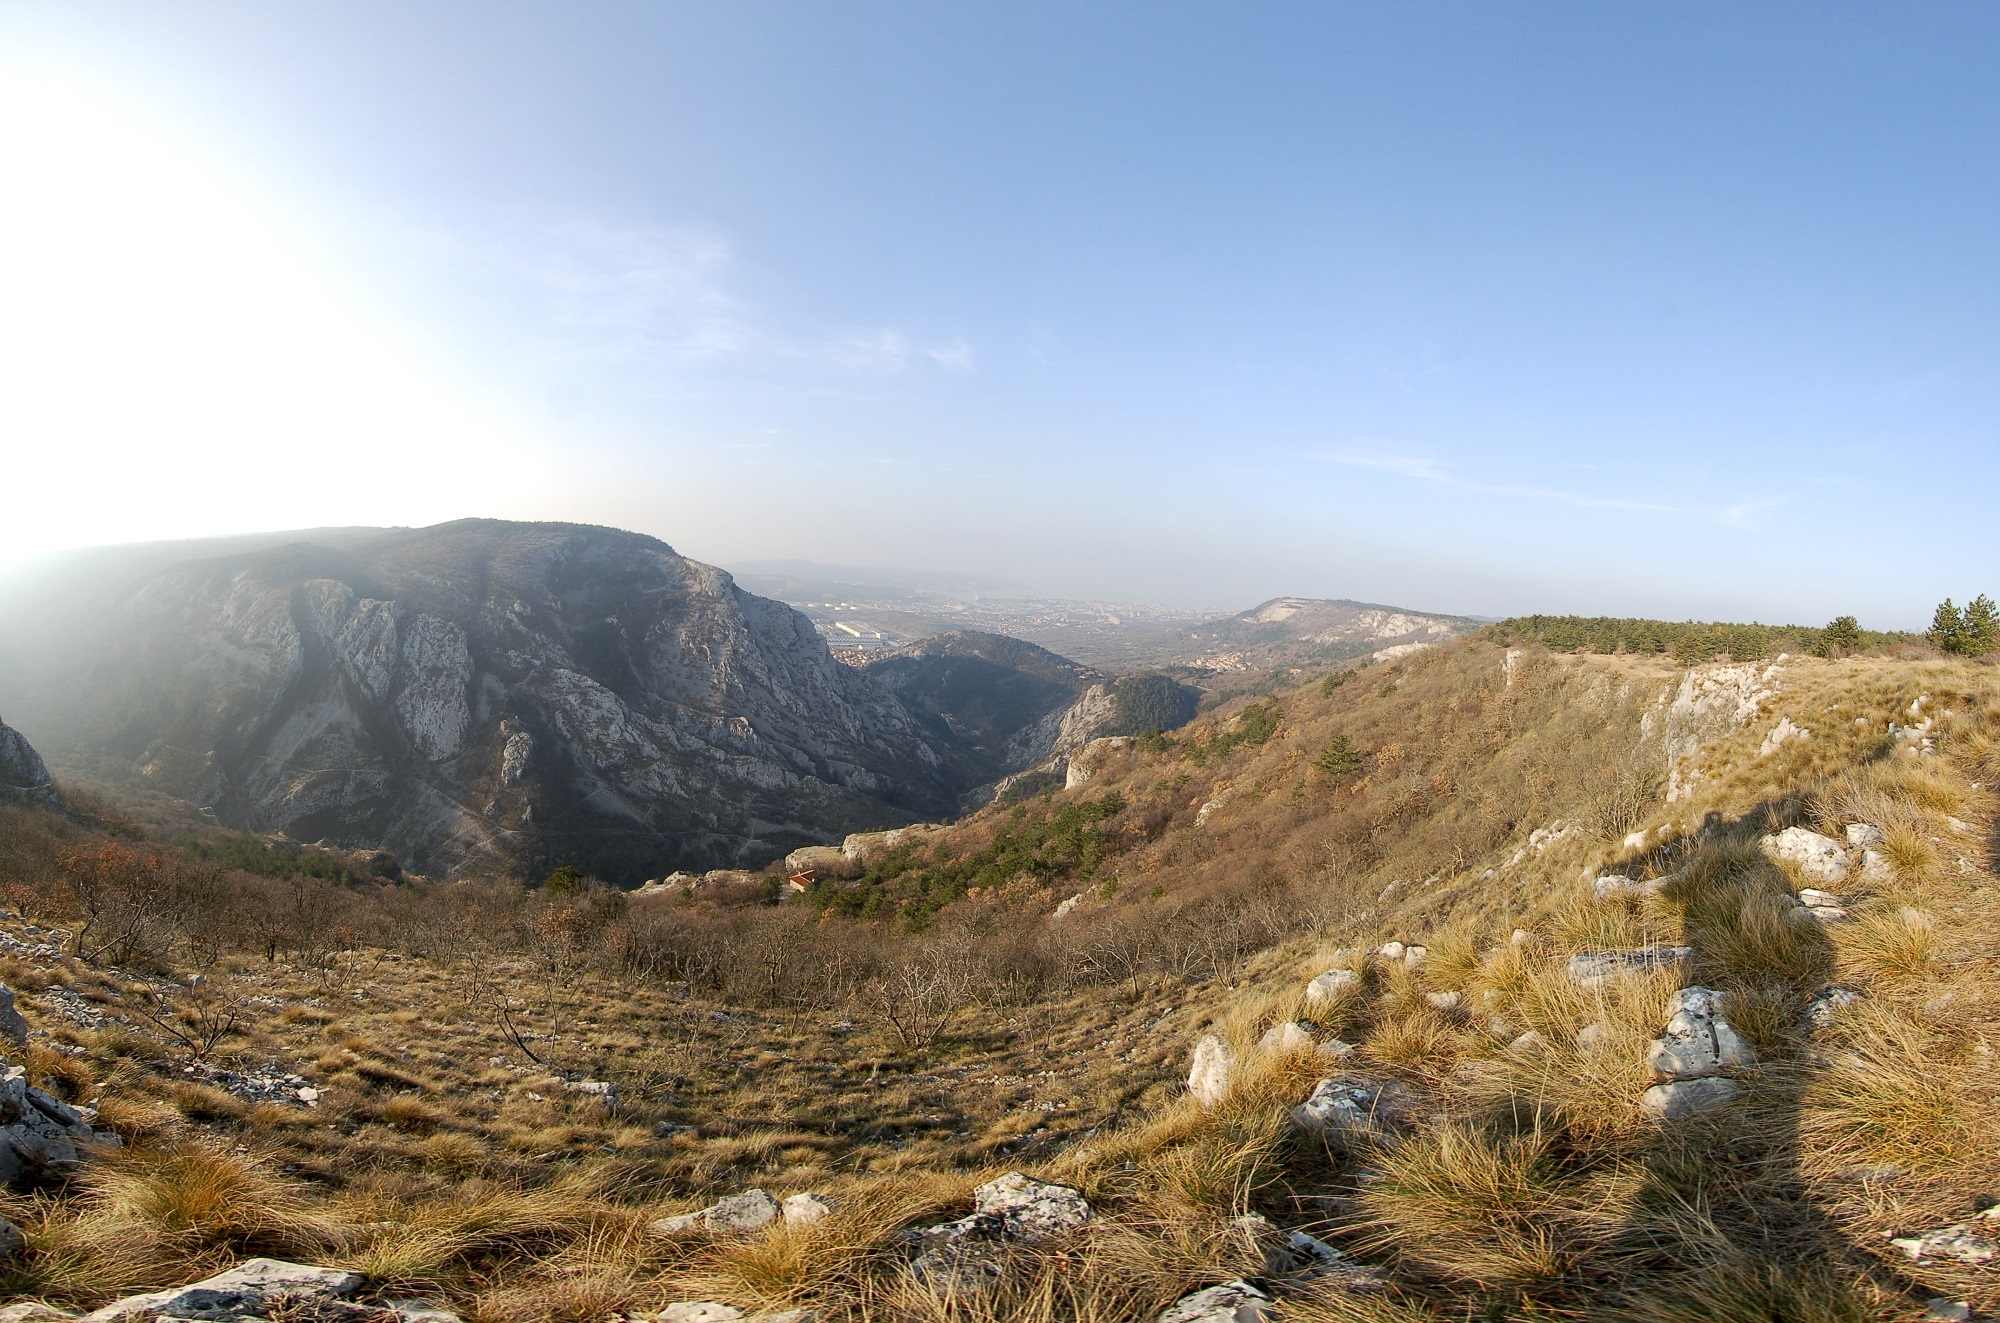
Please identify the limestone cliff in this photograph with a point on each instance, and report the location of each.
(525, 693)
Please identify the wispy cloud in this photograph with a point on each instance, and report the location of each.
(664, 295)
(1425, 468)
(1385, 460)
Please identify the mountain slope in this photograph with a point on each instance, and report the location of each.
(1296, 631)
(529, 693)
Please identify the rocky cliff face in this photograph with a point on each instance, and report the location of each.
(23, 774)
(529, 693)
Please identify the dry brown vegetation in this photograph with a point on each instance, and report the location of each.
(897, 1060)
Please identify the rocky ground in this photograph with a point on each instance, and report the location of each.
(1720, 1050)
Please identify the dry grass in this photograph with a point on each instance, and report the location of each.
(1526, 1183)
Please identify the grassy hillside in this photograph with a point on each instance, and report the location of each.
(894, 1039)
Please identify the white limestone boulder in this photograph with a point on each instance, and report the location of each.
(1699, 1040)
(1817, 858)
(1209, 1074)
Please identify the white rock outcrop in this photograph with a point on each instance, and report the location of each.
(1594, 969)
(1818, 858)
(1291, 1036)
(1698, 1041)
(1209, 1074)
(1330, 986)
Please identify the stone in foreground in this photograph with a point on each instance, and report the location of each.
(1328, 986)
(1685, 1098)
(1291, 1036)
(1340, 1107)
(243, 1292)
(1232, 1302)
(1952, 1242)
(1699, 1040)
(739, 1213)
(1594, 969)
(1208, 1076)
(963, 1257)
(1818, 858)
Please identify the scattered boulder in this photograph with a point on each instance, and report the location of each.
(1343, 1106)
(39, 1133)
(1863, 835)
(1782, 734)
(1328, 986)
(714, 1311)
(752, 1210)
(250, 1290)
(964, 1255)
(1680, 1099)
(1208, 1076)
(1239, 1301)
(1594, 969)
(1876, 868)
(1699, 1041)
(1445, 1001)
(1391, 950)
(1063, 909)
(1818, 858)
(12, 1242)
(1825, 1006)
(1291, 1036)
(1957, 1242)
(1296, 1258)
(1943, 1309)
(805, 1208)
(33, 1312)
(603, 1090)
(1415, 955)
(1616, 886)
(1822, 906)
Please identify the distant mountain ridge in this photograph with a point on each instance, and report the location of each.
(522, 693)
(1296, 631)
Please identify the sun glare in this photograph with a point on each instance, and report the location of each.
(172, 363)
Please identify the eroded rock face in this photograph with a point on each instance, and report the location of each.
(23, 774)
(1699, 1040)
(40, 1134)
(485, 691)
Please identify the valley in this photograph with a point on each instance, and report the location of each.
(1400, 886)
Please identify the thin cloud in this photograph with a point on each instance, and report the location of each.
(629, 294)
(1424, 468)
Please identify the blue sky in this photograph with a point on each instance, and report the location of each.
(1676, 310)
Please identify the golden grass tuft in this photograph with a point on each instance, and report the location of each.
(1891, 946)
(1469, 1205)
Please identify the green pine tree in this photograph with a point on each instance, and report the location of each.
(1947, 630)
(1980, 627)
(1841, 636)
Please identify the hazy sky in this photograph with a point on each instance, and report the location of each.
(1683, 310)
